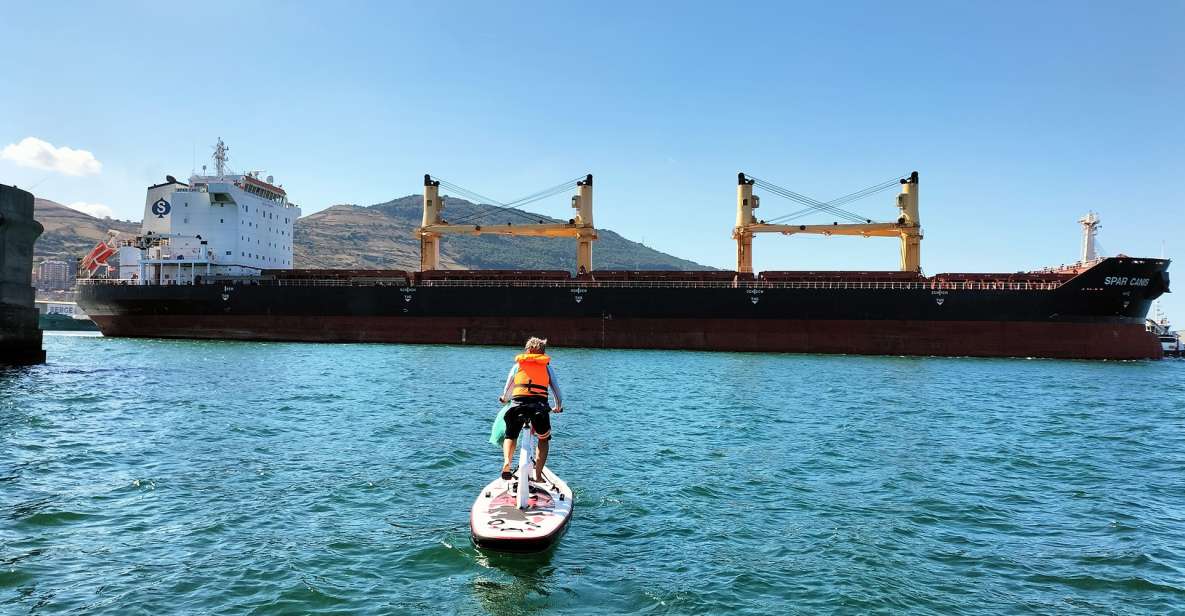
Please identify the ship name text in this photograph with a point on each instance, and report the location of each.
(1120, 281)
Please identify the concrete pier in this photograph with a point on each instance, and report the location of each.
(20, 338)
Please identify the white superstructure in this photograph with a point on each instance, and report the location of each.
(224, 224)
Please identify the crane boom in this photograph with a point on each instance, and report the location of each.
(433, 226)
(908, 227)
(557, 229)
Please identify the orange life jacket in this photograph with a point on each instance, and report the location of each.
(532, 378)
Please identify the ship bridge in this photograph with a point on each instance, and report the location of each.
(220, 224)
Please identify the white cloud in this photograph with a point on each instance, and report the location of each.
(33, 152)
(98, 210)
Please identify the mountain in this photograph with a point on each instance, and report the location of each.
(70, 234)
(381, 236)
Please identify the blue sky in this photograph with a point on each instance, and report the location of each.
(1020, 117)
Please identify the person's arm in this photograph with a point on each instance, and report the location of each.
(505, 397)
(555, 389)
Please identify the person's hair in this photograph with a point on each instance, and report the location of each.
(536, 345)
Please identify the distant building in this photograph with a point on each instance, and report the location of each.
(54, 275)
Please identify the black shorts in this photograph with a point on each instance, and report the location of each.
(535, 409)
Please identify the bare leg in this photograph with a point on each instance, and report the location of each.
(541, 457)
(508, 445)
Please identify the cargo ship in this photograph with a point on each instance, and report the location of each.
(214, 260)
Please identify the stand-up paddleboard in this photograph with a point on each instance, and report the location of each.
(498, 523)
(516, 515)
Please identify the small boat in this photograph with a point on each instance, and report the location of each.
(63, 322)
(1170, 341)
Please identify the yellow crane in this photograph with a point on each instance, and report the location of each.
(433, 226)
(908, 226)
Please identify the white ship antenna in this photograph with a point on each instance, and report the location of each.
(1091, 223)
(220, 157)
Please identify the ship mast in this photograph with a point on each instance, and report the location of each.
(1091, 223)
(908, 227)
(220, 157)
(433, 226)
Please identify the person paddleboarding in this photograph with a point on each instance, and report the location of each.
(527, 510)
(527, 386)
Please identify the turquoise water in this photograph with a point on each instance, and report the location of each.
(162, 477)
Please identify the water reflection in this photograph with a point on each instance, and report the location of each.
(514, 584)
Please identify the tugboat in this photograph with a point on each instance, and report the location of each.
(1158, 325)
(63, 316)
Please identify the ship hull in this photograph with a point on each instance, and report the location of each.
(943, 338)
(1084, 318)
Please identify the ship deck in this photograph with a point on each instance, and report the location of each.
(1039, 281)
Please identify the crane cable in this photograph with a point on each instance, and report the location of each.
(479, 200)
(512, 207)
(848, 198)
(545, 193)
(807, 201)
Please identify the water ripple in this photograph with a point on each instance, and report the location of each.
(335, 479)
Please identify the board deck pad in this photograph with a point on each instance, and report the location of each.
(497, 523)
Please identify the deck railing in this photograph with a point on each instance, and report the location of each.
(754, 284)
(928, 285)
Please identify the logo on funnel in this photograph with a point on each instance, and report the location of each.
(161, 208)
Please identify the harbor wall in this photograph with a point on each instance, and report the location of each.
(20, 336)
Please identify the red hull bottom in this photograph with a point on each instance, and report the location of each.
(943, 338)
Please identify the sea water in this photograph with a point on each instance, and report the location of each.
(183, 477)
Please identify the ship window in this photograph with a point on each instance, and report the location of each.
(221, 220)
(228, 253)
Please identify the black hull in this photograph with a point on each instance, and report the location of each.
(1097, 314)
